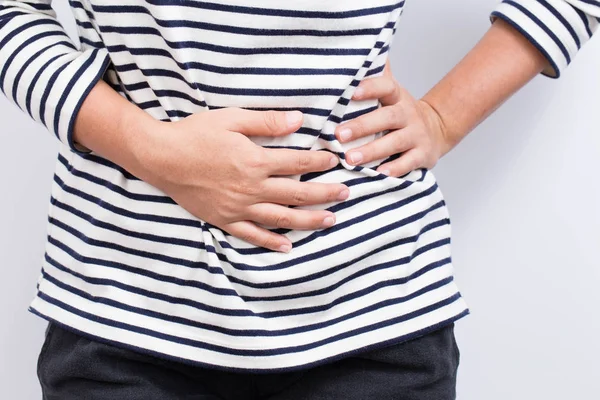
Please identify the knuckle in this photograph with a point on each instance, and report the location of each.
(395, 92)
(272, 121)
(226, 212)
(255, 160)
(417, 161)
(396, 115)
(300, 197)
(249, 237)
(245, 188)
(267, 242)
(303, 161)
(398, 143)
(283, 221)
(324, 160)
(332, 194)
(427, 160)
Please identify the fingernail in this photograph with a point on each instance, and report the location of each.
(359, 92)
(384, 171)
(345, 134)
(333, 162)
(327, 222)
(293, 117)
(343, 194)
(286, 248)
(355, 157)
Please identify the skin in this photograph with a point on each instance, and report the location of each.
(236, 189)
(425, 130)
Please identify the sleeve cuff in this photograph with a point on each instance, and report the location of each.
(554, 27)
(73, 85)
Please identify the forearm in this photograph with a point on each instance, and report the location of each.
(113, 127)
(500, 64)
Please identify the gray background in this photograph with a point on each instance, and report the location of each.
(523, 195)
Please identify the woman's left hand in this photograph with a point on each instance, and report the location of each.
(415, 128)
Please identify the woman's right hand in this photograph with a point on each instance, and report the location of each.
(207, 164)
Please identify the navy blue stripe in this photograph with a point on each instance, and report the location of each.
(255, 285)
(540, 48)
(563, 20)
(305, 110)
(268, 352)
(340, 226)
(201, 246)
(191, 362)
(543, 26)
(358, 113)
(115, 188)
(263, 11)
(189, 243)
(585, 20)
(44, 7)
(277, 266)
(24, 67)
(241, 91)
(174, 93)
(47, 90)
(364, 272)
(131, 87)
(6, 18)
(189, 44)
(67, 91)
(124, 212)
(35, 79)
(349, 203)
(24, 27)
(103, 161)
(238, 30)
(375, 71)
(224, 70)
(258, 250)
(194, 244)
(221, 329)
(78, 4)
(164, 199)
(320, 112)
(21, 29)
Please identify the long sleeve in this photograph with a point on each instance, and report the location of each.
(41, 70)
(558, 28)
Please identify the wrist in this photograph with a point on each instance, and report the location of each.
(140, 134)
(437, 127)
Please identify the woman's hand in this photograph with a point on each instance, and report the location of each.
(415, 128)
(208, 165)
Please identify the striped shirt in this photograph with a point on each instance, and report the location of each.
(126, 265)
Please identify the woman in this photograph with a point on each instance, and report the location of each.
(242, 205)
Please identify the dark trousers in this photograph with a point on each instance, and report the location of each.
(73, 367)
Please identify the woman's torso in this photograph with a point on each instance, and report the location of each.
(125, 260)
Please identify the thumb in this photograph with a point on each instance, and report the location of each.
(263, 123)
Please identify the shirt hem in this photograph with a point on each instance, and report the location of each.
(194, 363)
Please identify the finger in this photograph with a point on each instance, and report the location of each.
(386, 146)
(291, 162)
(258, 236)
(384, 118)
(283, 217)
(407, 162)
(385, 88)
(261, 123)
(290, 192)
